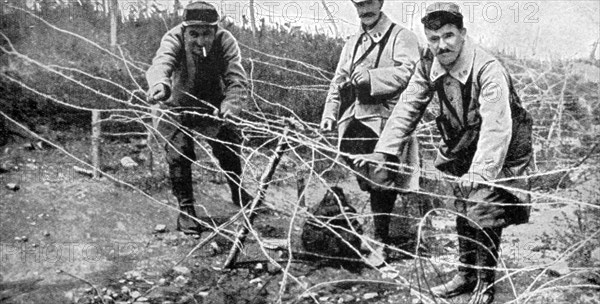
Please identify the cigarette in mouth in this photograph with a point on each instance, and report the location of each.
(204, 51)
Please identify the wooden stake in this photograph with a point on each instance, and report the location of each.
(252, 19)
(155, 121)
(114, 14)
(301, 186)
(96, 141)
(264, 184)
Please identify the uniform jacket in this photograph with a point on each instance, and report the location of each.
(218, 79)
(476, 95)
(388, 80)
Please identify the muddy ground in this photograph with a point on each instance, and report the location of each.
(68, 238)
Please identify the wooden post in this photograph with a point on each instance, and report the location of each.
(252, 19)
(150, 158)
(96, 141)
(114, 13)
(265, 179)
(104, 8)
(301, 186)
(155, 120)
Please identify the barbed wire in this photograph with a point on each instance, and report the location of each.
(14, 52)
(289, 70)
(301, 63)
(322, 149)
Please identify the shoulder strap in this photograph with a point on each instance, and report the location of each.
(426, 59)
(382, 44)
(467, 95)
(466, 98)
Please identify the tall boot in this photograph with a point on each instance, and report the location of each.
(227, 152)
(486, 257)
(466, 278)
(382, 204)
(185, 222)
(239, 195)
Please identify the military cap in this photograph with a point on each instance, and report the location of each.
(442, 12)
(200, 13)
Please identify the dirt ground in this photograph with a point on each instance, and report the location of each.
(62, 233)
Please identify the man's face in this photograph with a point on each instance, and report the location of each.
(446, 43)
(368, 11)
(199, 36)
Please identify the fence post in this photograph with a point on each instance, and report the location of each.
(96, 141)
(301, 186)
(155, 120)
(114, 15)
(252, 19)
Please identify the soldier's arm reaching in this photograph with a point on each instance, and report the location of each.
(164, 63)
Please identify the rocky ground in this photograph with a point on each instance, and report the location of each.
(67, 238)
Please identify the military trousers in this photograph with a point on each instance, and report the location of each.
(479, 236)
(224, 139)
(360, 139)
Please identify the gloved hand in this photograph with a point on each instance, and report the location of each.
(159, 92)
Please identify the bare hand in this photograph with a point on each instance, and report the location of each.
(159, 92)
(327, 125)
(219, 113)
(227, 110)
(468, 182)
(361, 78)
(374, 158)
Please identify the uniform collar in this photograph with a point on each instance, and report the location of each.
(379, 30)
(461, 69)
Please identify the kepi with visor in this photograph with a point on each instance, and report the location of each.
(441, 13)
(200, 13)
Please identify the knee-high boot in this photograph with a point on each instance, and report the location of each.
(227, 152)
(185, 222)
(466, 278)
(382, 204)
(180, 173)
(487, 256)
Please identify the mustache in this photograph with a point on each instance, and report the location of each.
(367, 15)
(444, 51)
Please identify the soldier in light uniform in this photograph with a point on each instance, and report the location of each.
(486, 136)
(375, 66)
